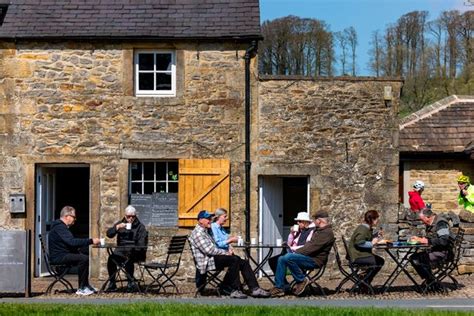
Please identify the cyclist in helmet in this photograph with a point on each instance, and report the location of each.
(415, 200)
(466, 198)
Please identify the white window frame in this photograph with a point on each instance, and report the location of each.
(155, 93)
(155, 181)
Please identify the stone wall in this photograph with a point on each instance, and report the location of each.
(340, 133)
(74, 103)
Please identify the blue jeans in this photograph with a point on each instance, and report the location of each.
(296, 263)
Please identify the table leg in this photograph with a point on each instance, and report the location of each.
(401, 264)
(259, 266)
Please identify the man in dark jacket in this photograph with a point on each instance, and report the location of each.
(314, 254)
(130, 232)
(64, 248)
(439, 236)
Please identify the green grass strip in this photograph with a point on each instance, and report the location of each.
(135, 309)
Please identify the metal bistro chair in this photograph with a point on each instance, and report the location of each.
(347, 274)
(166, 270)
(210, 278)
(445, 268)
(58, 271)
(313, 276)
(357, 275)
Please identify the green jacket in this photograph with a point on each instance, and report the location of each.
(467, 201)
(360, 245)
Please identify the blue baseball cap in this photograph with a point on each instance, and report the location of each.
(205, 214)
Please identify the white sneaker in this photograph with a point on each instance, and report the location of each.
(93, 289)
(84, 291)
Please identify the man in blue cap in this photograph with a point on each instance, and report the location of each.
(208, 257)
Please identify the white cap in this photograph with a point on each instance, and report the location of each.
(130, 210)
(303, 216)
(418, 185)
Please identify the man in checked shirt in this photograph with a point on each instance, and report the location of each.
(208, 257)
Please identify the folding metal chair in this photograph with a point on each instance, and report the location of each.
(211, 278)
(357, 273)
(446, 267)
(313, 276)
(58, 271)
(166, 270)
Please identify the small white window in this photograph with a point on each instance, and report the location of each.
(155, 73)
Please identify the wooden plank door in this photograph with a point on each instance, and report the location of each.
(204, 184)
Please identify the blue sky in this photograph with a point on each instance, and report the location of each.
(365, 15)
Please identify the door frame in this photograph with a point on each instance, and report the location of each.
(39, 214)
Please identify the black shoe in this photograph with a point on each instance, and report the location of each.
(132, 287)
(112, 287)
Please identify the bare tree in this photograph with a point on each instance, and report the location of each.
(351, 36)
(375, 53)
(342, 42)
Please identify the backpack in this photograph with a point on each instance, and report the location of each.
(450, 217)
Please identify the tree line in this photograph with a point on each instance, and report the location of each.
(434, 57)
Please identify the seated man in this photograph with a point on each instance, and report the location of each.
(208, 258)
(64, 248)
(439, 236)
(312, 255)
(133, 235)
(296, 238)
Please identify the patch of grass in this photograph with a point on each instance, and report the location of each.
(136, 309)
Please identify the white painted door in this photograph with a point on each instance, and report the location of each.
(45, 206)
(271, 211)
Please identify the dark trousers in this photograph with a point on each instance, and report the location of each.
(372, 260)
(82, 262)
(273, 261)
(119, 257)
(422, 262)
(235, 264)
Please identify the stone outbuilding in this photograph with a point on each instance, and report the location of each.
(104, 104)
(436, 147)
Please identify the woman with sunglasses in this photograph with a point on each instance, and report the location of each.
(130, 232)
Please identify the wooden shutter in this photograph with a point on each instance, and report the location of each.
(204, 184)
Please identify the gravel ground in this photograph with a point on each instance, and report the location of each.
(399, 291)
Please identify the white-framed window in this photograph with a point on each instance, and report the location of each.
(147, 177)
(155, 73)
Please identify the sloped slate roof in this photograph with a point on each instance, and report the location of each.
(132, 19)
(446, 126)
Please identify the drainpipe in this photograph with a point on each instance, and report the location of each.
(249, 54)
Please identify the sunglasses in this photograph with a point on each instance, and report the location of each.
(130, 216)
(72, 216)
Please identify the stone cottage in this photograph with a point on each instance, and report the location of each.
(436, 147)
(104, 103)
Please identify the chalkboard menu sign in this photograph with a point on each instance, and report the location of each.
(13, 261)
(157, 209)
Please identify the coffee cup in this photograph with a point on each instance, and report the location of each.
(102, 242)
(279, 242)
(240, 241)
(128, 226)
(253, 241)
(295, 228)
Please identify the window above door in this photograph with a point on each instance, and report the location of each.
(155, 73)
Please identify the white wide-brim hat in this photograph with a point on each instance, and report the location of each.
(303, 216)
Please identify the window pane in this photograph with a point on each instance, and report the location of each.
(136, 168)
(137, 188)
(145, 81)
(149, 188)
(149, 171)
(172, 171)
(161, 171)
(145, 61)
(172, 187)
(161, 187)
(163, 81)
(163, 61)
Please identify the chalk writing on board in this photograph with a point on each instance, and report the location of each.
(157, 209)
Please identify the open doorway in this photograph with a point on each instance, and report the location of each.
(58, 185)
(281, 198)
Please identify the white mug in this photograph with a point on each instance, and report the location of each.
(295, 228)
(240, 241)
(102, 242)
(129, 226)
(253, 241)
(279, 242)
